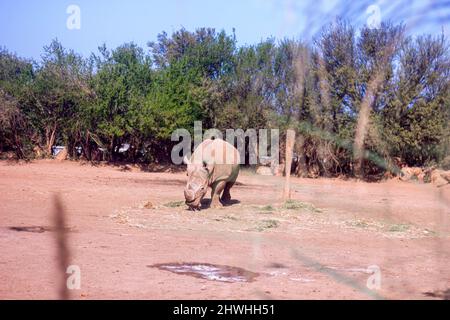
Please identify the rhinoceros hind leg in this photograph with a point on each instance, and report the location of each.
(215, 194)
(226, 197)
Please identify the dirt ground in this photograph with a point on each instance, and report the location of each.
(331, 240)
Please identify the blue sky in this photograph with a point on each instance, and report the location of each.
(26, 26)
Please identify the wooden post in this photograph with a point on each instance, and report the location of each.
(290, 140)
(62, 253)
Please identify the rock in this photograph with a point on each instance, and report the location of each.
(148, 205)
(440, 177)
(446, 175)
(277, 169)
(62, 155)
(264, 171)
(411, 173)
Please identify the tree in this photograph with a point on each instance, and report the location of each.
(117, 114)
(417, 116)
(356, 98)
(15, 132)
(56, 94)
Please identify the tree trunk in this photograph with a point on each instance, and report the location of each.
(50, 134)
(301, 170)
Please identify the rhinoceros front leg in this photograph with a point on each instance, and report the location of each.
(217, 188)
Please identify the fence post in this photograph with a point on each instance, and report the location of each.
(290, 140)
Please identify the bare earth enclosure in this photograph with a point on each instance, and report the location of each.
(132, 237)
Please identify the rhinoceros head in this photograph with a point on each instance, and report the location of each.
(198, 180)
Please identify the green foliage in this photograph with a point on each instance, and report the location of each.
(124, 96)
(117, 113)
(416, 117)
(15, 75)
(175, 98)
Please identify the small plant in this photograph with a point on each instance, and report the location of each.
(360, 224)
(174, 204)
(228, 217)
(265, 212)
(265, 224)
(399, 228)
(298, 205)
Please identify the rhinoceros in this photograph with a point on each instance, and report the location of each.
(215, 164)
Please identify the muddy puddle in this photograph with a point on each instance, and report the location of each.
(37, 229)
(32, 229)
(209, 271)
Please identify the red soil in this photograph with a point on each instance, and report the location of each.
(319, 247)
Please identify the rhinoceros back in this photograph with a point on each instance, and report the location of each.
(222, 155)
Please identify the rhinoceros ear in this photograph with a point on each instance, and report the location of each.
(208, 166)
(186, 160)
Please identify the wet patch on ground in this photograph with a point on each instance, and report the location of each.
(37, 229)
(208, 271)
(32, 229)
(444, 295)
